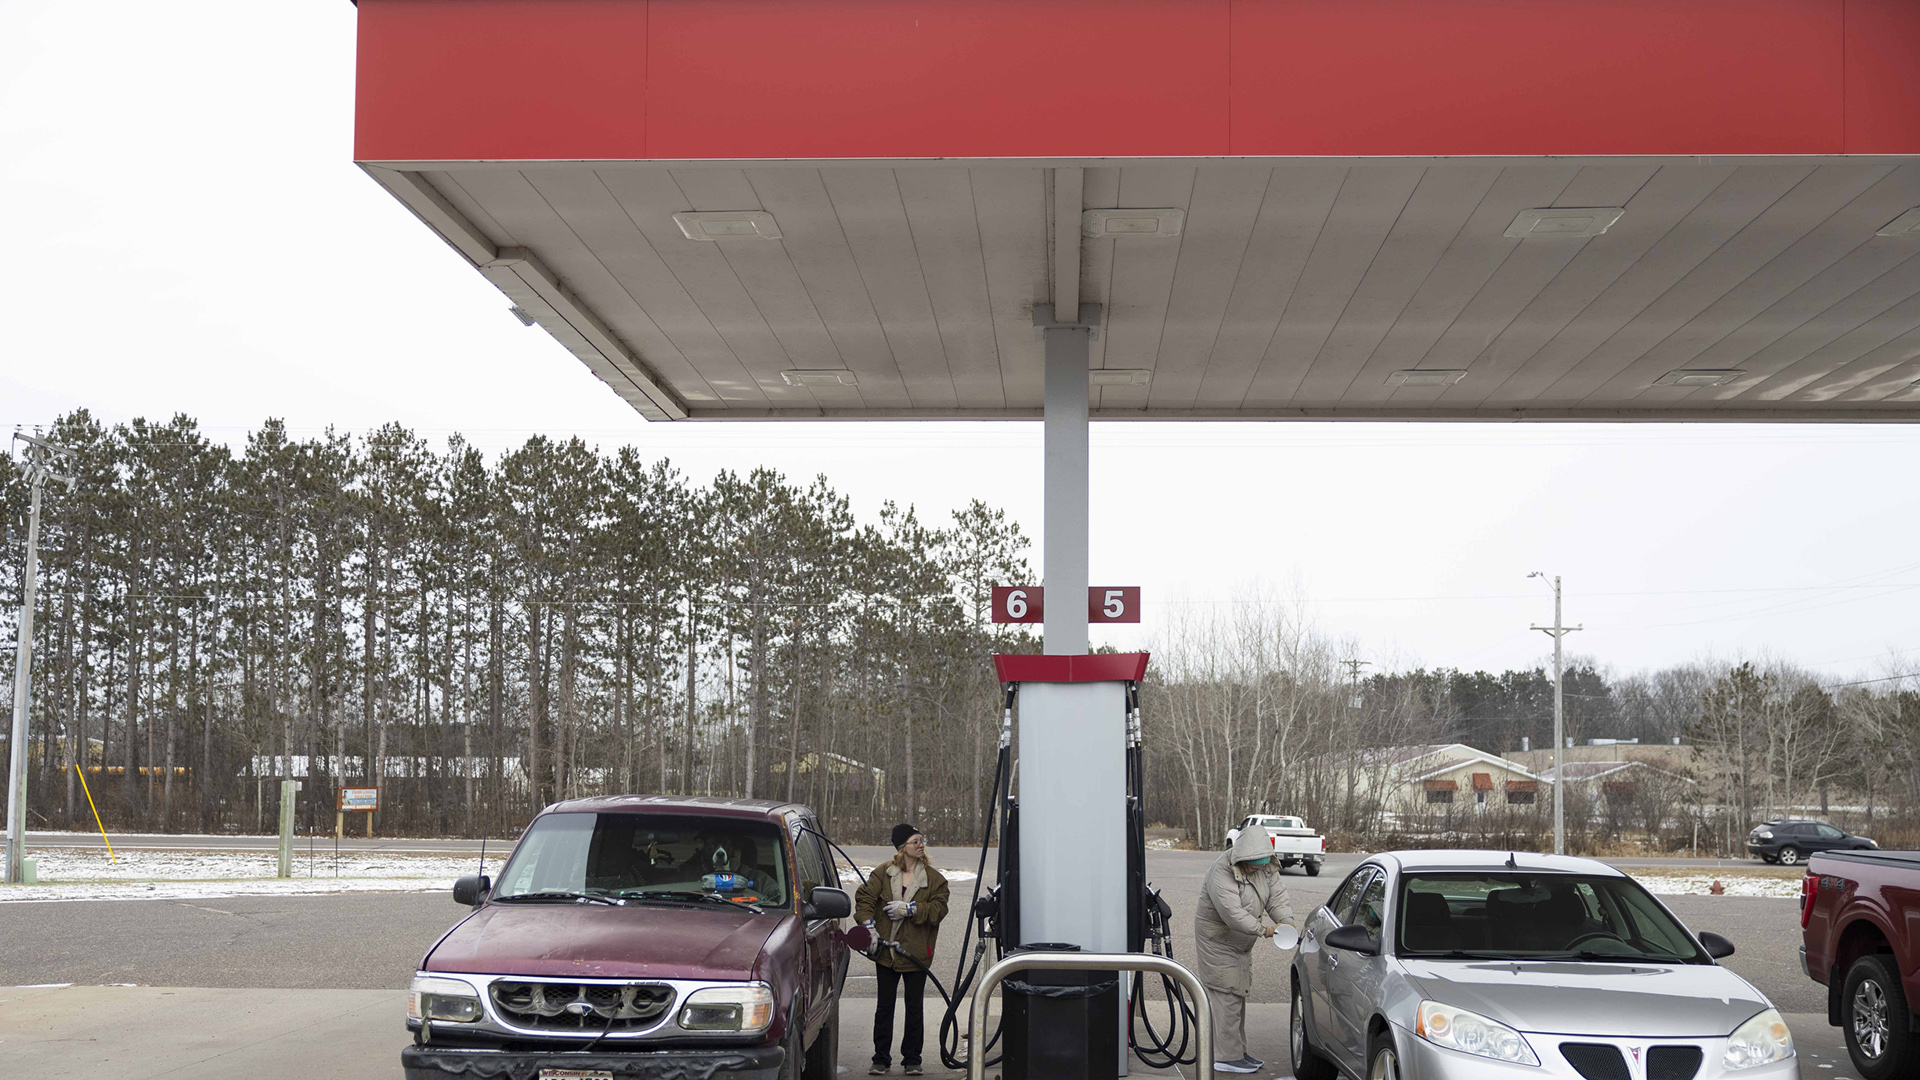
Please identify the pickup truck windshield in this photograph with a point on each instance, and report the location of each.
(647, 857)
(1522, 916)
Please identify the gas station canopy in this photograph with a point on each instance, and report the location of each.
(1418, 209)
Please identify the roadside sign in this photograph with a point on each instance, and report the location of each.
(1105, 604)
(360, 798)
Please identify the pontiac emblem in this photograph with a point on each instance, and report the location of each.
(1635, 1051)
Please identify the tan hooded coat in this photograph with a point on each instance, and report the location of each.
(1236, 905)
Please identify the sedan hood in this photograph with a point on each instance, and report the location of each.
(653, 941)
(1625, 1000)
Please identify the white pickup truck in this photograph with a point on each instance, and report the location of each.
(1292, 841)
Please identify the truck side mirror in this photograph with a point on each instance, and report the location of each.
(827, 902)
(472, 889)
(1716, 946)
(1354, 939)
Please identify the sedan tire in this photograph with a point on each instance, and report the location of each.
(1383, 1059)
(1307, 1062)
(1873, 1016)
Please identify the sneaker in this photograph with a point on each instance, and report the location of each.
(912, 1070)
(1244, 1065)
(1249, 1059)
(877, 1069)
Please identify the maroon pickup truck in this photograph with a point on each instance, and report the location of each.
(643, 938)
(1860, 929)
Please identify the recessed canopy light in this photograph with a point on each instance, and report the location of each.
(1119, 376)
(727, 225)
(1426, 377)
(1116, 223)
(1902, 225)
(1699, 377)
(526, 317)
(823, 377)
(1565, 221)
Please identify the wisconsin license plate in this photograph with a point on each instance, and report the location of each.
(575, 1074)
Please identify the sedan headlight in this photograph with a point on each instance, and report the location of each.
(1762, 1040)
(442, 999)
(1471, 1033)
(747, 1008)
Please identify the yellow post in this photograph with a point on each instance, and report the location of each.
(339, 824)
(369, 824)
(96, 816)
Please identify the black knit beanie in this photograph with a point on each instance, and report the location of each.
(902, 833)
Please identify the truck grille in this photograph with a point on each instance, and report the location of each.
(590, 1007)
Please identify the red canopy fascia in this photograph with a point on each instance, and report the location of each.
(519, 80)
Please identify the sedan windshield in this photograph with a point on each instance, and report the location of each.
(586, 857)
(1523, 916)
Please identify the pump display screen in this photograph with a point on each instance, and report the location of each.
(636, 857)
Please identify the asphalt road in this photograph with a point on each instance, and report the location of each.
(374, 940)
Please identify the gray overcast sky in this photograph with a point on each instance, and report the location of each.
(187, 232)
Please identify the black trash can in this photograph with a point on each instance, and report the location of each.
(1060, 1025)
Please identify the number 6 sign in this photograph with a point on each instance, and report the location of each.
(1018, 604)
(1025, 604)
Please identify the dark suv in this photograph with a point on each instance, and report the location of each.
(1790, 842)
(641, 936)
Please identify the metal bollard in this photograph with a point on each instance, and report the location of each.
(1066, 961)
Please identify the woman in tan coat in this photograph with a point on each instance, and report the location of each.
(1241, 902)
(902, 902)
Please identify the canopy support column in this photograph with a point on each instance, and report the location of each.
(1065, 516)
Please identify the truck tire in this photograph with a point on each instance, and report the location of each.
(823, 1057)
(1307, 1062)
(1875, 1020)
(1789, 856)
(1313, 867)
(792, 1045)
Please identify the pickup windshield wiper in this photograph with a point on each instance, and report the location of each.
(556, 894)
(689, 895)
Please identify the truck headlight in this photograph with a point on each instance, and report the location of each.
(1762, 1040)
(1471, 1033)
(747, 1008)
(442, 999)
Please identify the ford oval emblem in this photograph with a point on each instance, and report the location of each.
(579, 1008)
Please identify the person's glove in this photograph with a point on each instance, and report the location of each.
(899, 909)
(1266, 931)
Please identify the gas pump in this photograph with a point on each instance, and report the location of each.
(1071, 876)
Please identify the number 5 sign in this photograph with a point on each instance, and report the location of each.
(1025, 604)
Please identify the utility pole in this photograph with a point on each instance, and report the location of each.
(44, 461)
(1353, 679)
(1559, 723)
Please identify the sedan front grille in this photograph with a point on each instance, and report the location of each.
(1596, 1061)
(1673, 1062)
(590, 1007)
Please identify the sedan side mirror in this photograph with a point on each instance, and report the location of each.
(827, 902)
(472, 889)
(1354, 939)
(1716, 946)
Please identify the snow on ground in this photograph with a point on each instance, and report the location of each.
(1680, 883)
(169, 874)
(89, 874)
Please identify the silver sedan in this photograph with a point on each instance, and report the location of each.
(1487, 964)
